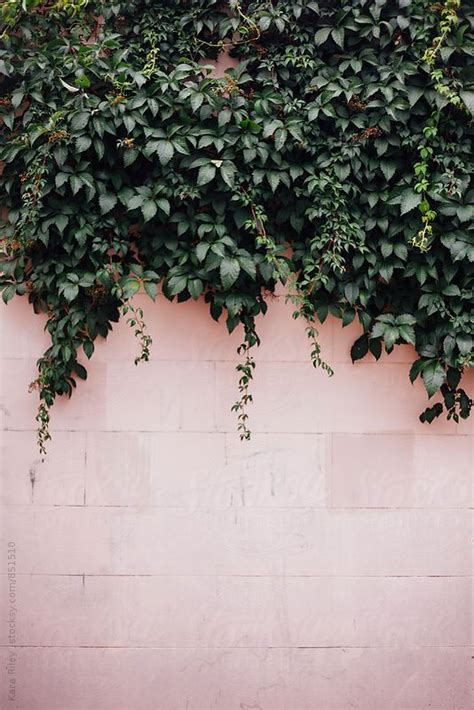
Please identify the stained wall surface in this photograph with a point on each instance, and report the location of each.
(158, 563)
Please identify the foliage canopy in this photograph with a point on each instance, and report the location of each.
(336, 157)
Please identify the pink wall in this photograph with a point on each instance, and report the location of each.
(163, 565)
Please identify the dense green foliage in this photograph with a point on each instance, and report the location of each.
(336, 157)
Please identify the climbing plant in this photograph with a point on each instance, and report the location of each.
(335, 157)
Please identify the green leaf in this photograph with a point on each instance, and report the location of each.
(390, 337)
(201, 250)
(453, 377)
(468, 98)
(407, 333)
(151, 289)
(224, 117)
(433, 377)
(229, 271)
(388, 168)
(107, 202)
(89, 348)
(273, 179)
(431, 413)
(247, 264)
(8, 292)
(176, 284)
(228, 170)
(164, 205)
(206, 174)
(80, 120)
(130, 287)
(322, 35)
(76, 184)
(409, 200)
(82, 81)
(61, 178)
(61, 222)
(196, 101)
(360, 348)
(135, 202)
(351, 292)
(60, 155)
(465, 343)
(70, 292)
(375, 347)
(338, 36)
(149, 210)
(165, 151)
(80, 371)
(451, 290)
(405, 319)
(195, 288)
(83, 143)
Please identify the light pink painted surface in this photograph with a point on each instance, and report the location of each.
(163, 565)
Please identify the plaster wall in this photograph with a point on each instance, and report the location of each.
(161, 564)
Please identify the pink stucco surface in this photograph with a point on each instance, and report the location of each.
(161, 564)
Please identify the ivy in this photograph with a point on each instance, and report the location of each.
(126, 165)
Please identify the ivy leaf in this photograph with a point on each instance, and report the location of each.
(464, 343)
(451, 290)
(8, 292)
(405, 319)
(407, 333)
(351, 292)
(390, 337)
(322, 35)
(135, 202)
(247, 264)
(360, 348)
(149, 210)
(107, 202)
(76, 184)
(375, 347)
(130, 156)
(229, 271)
(196, 101)
(453, 377)
(206, 174)
(60, 155)
(151, 289)
(195, 288)
(80, 371)
(228, 170)
(388, 168)
(338, 35)
(201, 250)
(61, 178)
(224, 117)
(433, 377)
(61, 222)
(176, 285)
(88, 347)
(468, 98)
(70, 292)
(409, 200)
(164, 205)
(431, 413)
(165, 151)
(83, 143)
(274, 179)
(130, 287)
(80, 120)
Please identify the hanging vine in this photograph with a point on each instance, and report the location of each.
(126, 165)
